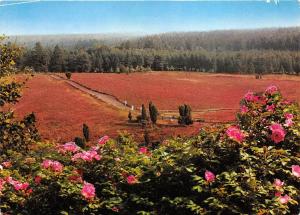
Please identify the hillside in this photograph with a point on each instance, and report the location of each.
(231, 40)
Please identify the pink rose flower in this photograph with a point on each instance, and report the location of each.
(94, 148)
(86, 156)
(235, 133)
(57, 166)
(47, 164)
(278, 193)
(9, 180)
(88, 190)
(278, 136)
(2, 182)
(29, 191)
(278, 183)
(244, 109)
(284, 199)
(53, 165)
(275, 126)
(145, 151)
(6, 164)
(131, 179)
(271, 90)
(20, 186)
(270, 108)
(288, 116)
(37, 179)
(17, 185)
(68, 147)
(115, 209)
(288, 122)
(209, 176)
(103, 140)
(250, 97)
(296, 170)
(278, 133)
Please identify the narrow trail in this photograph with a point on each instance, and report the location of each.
(114, 101)
(111, 100)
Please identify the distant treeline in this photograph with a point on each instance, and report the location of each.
(260, 51)
(230, 40)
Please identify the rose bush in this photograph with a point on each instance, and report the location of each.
(251, 167)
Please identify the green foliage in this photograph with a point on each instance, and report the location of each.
(235, 52)
(8, 55)
(144, 117)
(9, 92)
(68, 75)
(16, 135)
(39, 58)
(81, 63)
(158, 63)
(79, 142)
(185, 115)
(57, 60)
(129, 116)
(153, 112)
(147, 137)
(86, 132)
(123, 69)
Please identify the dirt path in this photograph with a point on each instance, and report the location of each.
(111, 100)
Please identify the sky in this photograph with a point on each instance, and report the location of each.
(142, 17)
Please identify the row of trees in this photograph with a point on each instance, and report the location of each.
(107, 59)
(143, 117)
(185, 115)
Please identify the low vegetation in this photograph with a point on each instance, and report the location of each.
(167, 90)
(185, 115)
(68, 75)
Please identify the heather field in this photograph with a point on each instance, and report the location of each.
(170, 89)
(61, 110)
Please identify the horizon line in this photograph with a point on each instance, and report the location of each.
(157, 33)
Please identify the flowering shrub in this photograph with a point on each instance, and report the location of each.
(251, 167)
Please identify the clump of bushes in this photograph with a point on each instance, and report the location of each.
(68, 75)
(143, 117)
(86, 132)
(185, 115)
(249, 167)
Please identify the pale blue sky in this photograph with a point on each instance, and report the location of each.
(65, 17)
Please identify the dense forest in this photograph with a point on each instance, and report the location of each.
(233, 51)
